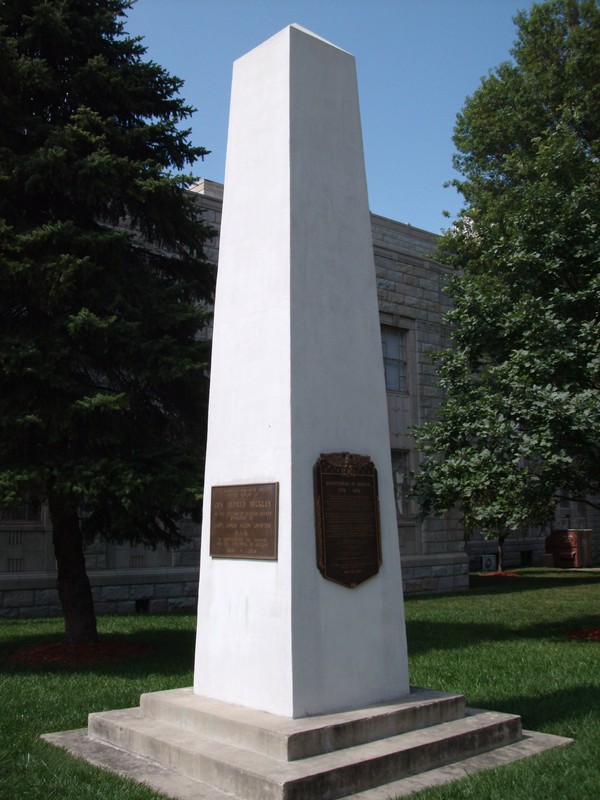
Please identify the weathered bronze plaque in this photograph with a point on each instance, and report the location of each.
(243, 521)
(347, 518)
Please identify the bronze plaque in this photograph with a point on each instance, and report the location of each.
(347, 518)
(243, 521)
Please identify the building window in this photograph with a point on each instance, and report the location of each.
(393, 342)
(400, 471)
(28, 512)
(15, 537)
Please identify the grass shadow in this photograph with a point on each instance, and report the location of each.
(171, 653)
(426, 635)
(530, 580)
(552, 709)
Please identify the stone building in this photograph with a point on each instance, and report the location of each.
(129, 579)
(411, 304)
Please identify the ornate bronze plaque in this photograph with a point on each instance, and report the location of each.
(243, 521)
(347, 518)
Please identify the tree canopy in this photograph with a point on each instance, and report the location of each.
(520, 425)
(104, 288)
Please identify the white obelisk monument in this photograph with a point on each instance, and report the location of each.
(297, 395)
(296, 372)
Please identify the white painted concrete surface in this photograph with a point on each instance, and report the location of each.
(296, 371)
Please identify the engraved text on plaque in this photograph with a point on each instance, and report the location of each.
(347, 518)
(243, 521)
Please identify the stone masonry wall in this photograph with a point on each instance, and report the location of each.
(412, 298)
(128, 579)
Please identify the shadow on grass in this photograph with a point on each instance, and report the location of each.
(424, 635)
(530, 580)
(567, 704)
(171, 653)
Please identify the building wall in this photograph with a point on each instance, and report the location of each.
(411, 299)
(412, 304)
(528, 549)
(126, 579)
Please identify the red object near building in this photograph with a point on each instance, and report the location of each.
(570, 548)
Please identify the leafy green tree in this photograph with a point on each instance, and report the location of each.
(103, 286)
(520, 425)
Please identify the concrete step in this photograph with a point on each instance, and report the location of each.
(176, 785)
(254, 776)
(291, 739)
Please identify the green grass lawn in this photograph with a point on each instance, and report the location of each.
(504, 645)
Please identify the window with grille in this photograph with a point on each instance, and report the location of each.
(26, 513)
(400, 472)
(393, 341)
(15, 537)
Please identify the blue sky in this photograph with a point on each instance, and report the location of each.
(417, 61)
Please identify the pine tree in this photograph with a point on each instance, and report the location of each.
(104, 288)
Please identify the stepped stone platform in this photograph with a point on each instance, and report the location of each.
(195, 748)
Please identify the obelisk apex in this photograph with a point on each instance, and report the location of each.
(296, 373)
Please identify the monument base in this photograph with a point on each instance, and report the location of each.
(191, 747)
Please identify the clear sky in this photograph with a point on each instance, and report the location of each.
(417, 61)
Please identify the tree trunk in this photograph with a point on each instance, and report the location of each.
(74, 587)
(501, 553)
